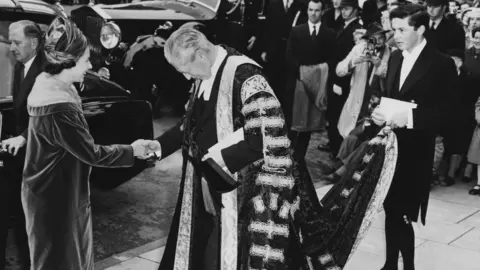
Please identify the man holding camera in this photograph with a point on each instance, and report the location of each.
(367, 65)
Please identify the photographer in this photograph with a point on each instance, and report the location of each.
(367, 63)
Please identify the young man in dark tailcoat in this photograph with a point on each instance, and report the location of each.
(416, 73)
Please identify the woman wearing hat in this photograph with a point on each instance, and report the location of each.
(59, 155)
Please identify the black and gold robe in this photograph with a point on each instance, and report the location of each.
(261, 224)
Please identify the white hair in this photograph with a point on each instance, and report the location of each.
(182, 44)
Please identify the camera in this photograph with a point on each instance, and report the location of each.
(371, 48)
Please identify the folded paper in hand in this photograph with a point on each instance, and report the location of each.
(230, 140)
(390, 106)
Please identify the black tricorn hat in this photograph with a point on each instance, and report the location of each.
(374, 28)
(349, 3)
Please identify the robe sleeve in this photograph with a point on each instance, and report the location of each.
(264, 124)
(70, 132)
(171, 140)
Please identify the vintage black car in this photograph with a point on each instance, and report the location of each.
(113, 116)
(140, 66)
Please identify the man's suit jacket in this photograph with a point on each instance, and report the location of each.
(369, 9)
(20, 93)
(447, 36)
(303, 49)
(278, 26)
(429, 84)
(343, 45)
(328, 18)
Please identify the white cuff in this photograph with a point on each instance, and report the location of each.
(410, 119)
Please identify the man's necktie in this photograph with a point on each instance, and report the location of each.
(314, 32)
(19, 75)
(432, 26)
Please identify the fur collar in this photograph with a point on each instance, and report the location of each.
(48, 90)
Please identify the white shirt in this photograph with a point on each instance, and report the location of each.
(310, 27)
(206, 85)
(27, 66)
(287, 3)
(409, 59)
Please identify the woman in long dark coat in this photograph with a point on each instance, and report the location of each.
(59, 155)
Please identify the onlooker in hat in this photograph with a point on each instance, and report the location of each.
(367, 65)
(457, 137)
(444, 33)
(338, 92)
(332, 17)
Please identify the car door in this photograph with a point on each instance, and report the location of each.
(117, 121)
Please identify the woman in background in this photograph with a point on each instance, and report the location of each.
(59, 155)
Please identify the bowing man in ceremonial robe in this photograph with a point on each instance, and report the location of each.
(249, 204)
(416, 73)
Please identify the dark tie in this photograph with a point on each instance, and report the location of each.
(19, 76)
(432, 27)
(314, 32)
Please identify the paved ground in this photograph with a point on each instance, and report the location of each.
(450, 241)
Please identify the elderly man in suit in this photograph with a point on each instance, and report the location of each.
(26, 42)
(417, 73)
(340, 86)
(309, 46)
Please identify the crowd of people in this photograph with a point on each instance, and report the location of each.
(358, 57)
(250, 203)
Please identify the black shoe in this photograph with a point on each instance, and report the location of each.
(324, 147)
(447, 181)
(475, 190)
(466, 179)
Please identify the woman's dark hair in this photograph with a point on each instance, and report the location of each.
(63, 52)
(416, 14)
